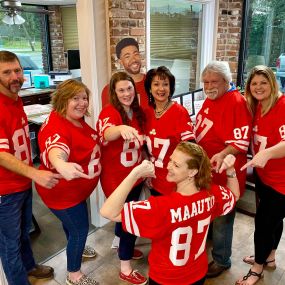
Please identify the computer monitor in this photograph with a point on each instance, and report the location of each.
(73, 59)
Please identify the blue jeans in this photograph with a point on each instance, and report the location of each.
(222, 239)
(127, 240)
(75, 223)
(15, 247)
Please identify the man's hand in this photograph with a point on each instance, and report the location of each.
(46, 178)
(217, 161)
(228, 163)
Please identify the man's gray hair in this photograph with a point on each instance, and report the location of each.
(220, 67)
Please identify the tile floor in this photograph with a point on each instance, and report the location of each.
(105, 267)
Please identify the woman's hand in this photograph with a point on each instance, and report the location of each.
(145, 169)
(259, 160)
(71, 170)
(228, 163)
(129, 133)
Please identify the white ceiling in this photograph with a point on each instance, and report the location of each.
(49, 2)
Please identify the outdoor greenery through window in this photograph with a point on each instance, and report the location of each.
(174, 40)
(26, 40)
(266, 36)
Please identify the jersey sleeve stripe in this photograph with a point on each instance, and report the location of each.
(62, 146)
(4, 144)
(130, 223)
(187, 136)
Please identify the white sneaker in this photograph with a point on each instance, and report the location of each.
(116, 242)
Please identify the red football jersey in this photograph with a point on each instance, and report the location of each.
(221, 122)
(14, 139)
(269, 130)
(178, 227)
(82, 147)
(162, 137)
(140, 90)
(118, 157)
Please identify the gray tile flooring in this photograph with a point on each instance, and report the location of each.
(105, 267)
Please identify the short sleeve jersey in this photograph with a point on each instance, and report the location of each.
(178, 227)
(269, 130)
(140, 90)
(82, 147)
(119, 157)
(14, 139)
(222, 122)
(162, 136)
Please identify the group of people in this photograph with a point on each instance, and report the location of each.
(195, 174)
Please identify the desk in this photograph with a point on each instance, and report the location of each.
(36, 96)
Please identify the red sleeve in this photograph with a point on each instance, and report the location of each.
(185, 126)
(108, 117)
(236, 129)
(137, 218)
(224, 200)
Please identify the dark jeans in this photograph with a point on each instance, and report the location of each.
(268, 220)
(199, 282)
(15, 248)
(75, 224)
(127, 240)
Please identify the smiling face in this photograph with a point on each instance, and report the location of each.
(11, 78)
(131, 60)
(260, 88)
(177, 167)
(77, 106)
(125, 91)
(215, 85)
(160, 89)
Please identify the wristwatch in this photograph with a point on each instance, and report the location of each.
(232, 175)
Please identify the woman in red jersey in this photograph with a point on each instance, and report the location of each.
(167, 124)
(267, 106)
(177, 223)
(120, 127)
(70, 147)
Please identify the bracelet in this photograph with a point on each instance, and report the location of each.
(232, 175)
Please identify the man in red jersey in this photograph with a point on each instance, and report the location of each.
(127, 51)
(223, 126)
(16, 175)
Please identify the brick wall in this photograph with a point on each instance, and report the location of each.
(229, 32)
(56, 39)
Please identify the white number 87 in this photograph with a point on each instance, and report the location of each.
(202, 227)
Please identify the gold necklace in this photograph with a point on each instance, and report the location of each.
(158, 113)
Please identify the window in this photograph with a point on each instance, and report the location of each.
(264, 24)
(180, 36)
(27, 40)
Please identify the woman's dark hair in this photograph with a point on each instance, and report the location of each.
(137, 110)
(162, 72)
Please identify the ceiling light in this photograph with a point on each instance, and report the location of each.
(12, 18)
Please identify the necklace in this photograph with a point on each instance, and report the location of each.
(158, 113)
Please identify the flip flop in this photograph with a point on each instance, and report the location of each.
(250, 260)
(251, 273)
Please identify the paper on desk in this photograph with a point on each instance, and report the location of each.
(37, 109)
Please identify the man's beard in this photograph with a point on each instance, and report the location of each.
(212, 94)
(11, 87)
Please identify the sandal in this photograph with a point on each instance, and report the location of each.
(250, 260)
(251, 273)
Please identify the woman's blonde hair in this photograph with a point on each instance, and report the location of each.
(65, 91)
(275, 93)
(198, 159)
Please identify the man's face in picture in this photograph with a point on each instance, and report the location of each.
(131, 60)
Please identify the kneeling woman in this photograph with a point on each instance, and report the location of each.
(177, 223)
(70, 147)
